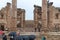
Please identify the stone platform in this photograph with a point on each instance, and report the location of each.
(47, 35)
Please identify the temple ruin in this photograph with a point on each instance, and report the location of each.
(11, 17)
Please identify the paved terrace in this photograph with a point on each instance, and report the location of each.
(36, 33)
(48, 35)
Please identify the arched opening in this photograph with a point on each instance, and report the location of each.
(2, 27)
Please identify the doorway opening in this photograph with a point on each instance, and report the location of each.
(2, 27)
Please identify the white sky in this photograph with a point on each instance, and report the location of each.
(28, 5)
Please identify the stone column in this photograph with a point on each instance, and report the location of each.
(44, 14)
(14, 15)
(5, 17)
(35, 17)
(51, 18)
(8, 17)
(23, 18)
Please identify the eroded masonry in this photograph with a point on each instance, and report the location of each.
(11, 17)
(46, 18)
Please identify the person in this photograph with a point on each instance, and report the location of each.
(12, 35)
(43, 38)
(32, 37)
(18, 37)
(1, 33)
(4, 37)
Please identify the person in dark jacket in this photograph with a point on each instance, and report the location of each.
(12, 35)
(32, 37)
(4, 37)
(19, 37)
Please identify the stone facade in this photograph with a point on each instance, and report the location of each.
(37, 16)
(49, 17)
(11, 17)
(46, 18)
(20, 17)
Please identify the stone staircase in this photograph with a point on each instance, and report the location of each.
(26, 29)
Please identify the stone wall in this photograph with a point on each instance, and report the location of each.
(50, 18)
(10, 14)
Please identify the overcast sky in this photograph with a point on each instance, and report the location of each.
(28, 5)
